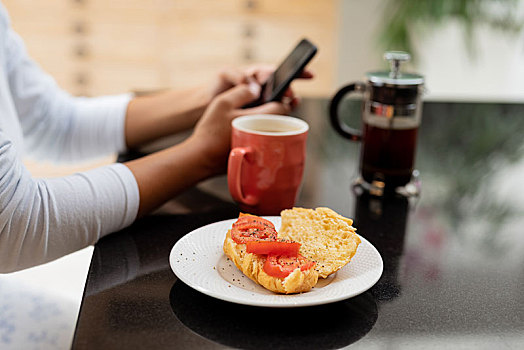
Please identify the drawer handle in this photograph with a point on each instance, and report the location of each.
(248, 54)
(81, 51)
(81, 79)
(251, 4)
(80, 27)
(248, 31)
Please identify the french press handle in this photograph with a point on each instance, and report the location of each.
(339, 126)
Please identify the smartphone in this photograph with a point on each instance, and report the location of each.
(277, 84)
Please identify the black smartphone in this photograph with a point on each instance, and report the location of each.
(277, 84)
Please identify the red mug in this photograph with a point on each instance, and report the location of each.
(266, 162)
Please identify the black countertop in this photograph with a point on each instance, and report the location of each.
(453, 257)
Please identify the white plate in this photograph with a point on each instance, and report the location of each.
(199, 261)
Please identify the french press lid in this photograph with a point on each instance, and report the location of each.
(394, 76)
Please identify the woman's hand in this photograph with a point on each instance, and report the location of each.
(213, 132)
(231, 77)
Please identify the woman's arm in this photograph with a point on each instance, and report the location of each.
(151, 117)
(44, 219)
(162, 175)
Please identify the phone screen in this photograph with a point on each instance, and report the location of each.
(288, 70)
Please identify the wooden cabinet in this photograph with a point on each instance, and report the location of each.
(95, 47)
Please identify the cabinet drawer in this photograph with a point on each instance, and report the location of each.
(113, 78)
(206, 38)
(123, 42)
(313, 9)
(196, 72)
(133, 11)
(204, 8)
(37, 10)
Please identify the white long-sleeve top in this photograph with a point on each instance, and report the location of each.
(43, 219)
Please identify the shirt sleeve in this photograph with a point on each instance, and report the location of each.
(55, 124)
(44, 219)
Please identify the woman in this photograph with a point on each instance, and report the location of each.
(43, 219)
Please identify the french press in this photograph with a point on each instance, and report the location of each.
(391, 116)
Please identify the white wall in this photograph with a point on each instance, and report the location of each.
(494, 73)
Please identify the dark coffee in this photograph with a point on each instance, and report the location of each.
(388, 155)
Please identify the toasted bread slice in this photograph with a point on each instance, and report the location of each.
(326, 237)
(252, 265)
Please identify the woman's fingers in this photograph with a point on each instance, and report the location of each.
(237, 96)
(233, 76)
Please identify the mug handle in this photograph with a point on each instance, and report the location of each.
(339, 126)
(234, 173)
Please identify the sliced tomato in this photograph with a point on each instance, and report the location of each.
(306, 264)
(253, 234)
(281, 266)
(246, 221)
(273, 247)
(252, 228)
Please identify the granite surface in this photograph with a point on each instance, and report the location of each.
(453, 256)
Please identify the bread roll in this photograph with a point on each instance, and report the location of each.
(252, 265)
(327, 238)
